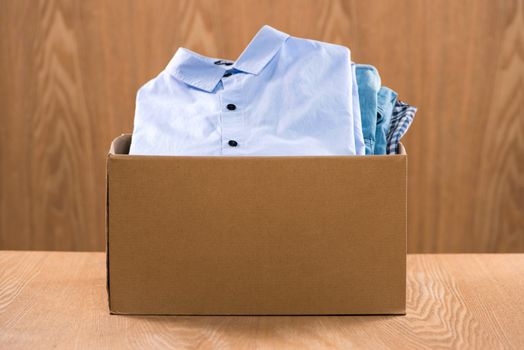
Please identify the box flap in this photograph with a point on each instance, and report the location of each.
(401, 149)
(120, 145)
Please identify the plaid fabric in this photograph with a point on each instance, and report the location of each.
(401, 119)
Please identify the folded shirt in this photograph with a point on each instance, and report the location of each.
(368, 82)
(401, 119)
(283, 96)
(386, 99)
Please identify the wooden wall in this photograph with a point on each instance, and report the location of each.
(69, 71)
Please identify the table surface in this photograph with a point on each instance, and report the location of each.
(59, 300)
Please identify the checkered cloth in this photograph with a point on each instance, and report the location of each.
(401, 119)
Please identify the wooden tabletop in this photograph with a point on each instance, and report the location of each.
(58, 300)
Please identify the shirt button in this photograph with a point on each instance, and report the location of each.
(232, 143)
(227, 74)
(231, 107)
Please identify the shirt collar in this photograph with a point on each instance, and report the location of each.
(202, 72)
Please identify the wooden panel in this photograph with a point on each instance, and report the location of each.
(58, 300)
(70, 71)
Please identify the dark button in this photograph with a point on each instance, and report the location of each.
(232, 143)
(231, 107)
(224, 63)
(227, 74)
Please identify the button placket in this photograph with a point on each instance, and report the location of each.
(232, 116)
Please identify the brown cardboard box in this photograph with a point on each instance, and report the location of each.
(255, 235)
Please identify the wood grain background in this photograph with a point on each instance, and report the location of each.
(69, 71)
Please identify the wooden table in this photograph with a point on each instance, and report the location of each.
(58, 300)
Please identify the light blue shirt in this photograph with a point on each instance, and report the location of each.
(283, 96)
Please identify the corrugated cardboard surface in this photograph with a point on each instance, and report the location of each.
(256, 235)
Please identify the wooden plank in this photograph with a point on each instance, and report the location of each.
(50, 300)
(70, 71)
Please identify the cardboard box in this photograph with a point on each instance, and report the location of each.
(255, 235)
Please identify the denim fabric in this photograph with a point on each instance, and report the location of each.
(386, 99)
(368, 81)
